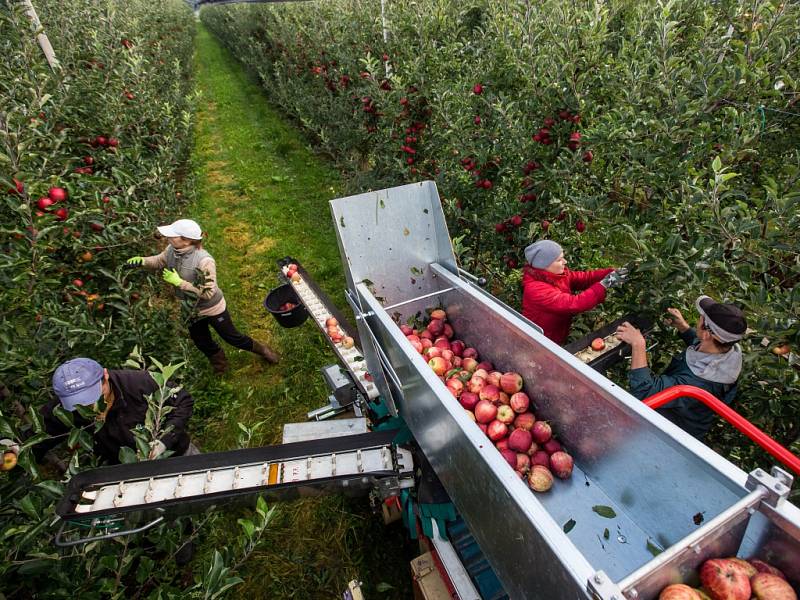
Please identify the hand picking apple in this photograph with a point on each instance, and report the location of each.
(711, 361)
(552, 294)
(185, 264)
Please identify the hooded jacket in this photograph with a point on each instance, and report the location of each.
(550, 301)
(719, 374)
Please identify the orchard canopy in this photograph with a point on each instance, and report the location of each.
(660, 135)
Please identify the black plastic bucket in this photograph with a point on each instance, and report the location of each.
(287, 318)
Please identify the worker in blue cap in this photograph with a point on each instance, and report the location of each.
(712, 361)
(118, 399)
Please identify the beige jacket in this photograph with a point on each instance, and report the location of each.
(209, 268)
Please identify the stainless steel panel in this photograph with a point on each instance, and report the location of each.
(389, 237)
(317, 430)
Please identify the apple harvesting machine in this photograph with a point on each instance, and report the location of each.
(645, 506)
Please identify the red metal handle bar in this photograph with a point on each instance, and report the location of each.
(731, 416)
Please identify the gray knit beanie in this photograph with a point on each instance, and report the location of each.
(541, 254)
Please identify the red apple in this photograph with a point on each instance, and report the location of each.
(44, 202)
(497, 430)
(540, 457)
(470, 364)
(494, 378)
(511, 382)
(490, 393)
(475, 384)
(561, 464)
(520, 402)
(417, 346)
(438, 364)
(61, 214)
(540, 479)
(504, 399)
(678, 591)
(436, 327)
(432, 352)
(523, 463)
(766, 586)
(724, 580)
(448, 331)
(406, 329)
(477, 89)
(57, 194)
(505, 414)
(469, 353)
(468, 400)
(442, 343)
(525, 421)
(763, 567)
(520, 440)
(331, 322)
(485, 412)
(458, 347)
(455, 385)
(348, 342)
(501, 444)
(541, 432)
(598, 344)
(745, 566)
(510, 457)
(448, 355)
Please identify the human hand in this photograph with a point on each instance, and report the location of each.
(135, 260)
(157, 448)
(10, 445)
(676, 319)
(628, 333)
(616, 277)
(171, 276)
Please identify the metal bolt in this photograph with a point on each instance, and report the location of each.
(779, 486)
(759, 473)
(598, 578)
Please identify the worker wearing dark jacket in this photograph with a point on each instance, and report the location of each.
(712, 361)
(119, 400)
(549, 288)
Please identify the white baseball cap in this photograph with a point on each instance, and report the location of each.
(182, 228)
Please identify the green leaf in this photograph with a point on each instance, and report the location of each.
(569, 525)
(604, 511)
(384, 587)
(716, 164)
(606, 533)
(653, 549)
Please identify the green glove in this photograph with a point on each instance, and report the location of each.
(172, 277)
(135, 260)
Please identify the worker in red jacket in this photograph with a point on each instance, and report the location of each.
(549, 288)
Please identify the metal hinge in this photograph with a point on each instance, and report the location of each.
(778, 484)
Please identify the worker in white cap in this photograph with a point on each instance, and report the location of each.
(552, 294)
(192, 270)
(712, 361)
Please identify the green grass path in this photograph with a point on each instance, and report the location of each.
(261, 195)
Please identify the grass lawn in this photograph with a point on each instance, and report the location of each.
(263, 194)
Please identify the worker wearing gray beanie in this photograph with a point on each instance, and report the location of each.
(552, 294)
(542, 253)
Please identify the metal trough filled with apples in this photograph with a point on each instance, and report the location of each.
(645, 505)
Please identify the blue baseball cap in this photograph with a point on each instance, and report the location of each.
(78, 382)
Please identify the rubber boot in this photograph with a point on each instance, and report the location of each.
(219, 363)
(264, 351)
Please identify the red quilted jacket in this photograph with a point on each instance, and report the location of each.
(549, 300)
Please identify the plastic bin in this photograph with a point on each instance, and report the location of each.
(286, 318)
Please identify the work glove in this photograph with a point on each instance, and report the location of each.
(9, 458)
(9, 446)
(135, 260)
(171, 276)
(616, 277)
(157, 448)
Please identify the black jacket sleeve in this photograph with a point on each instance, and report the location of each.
(177, 420)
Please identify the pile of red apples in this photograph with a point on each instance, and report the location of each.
(495, 401)
(734, 579)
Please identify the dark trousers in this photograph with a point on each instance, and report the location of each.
(222, 324)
